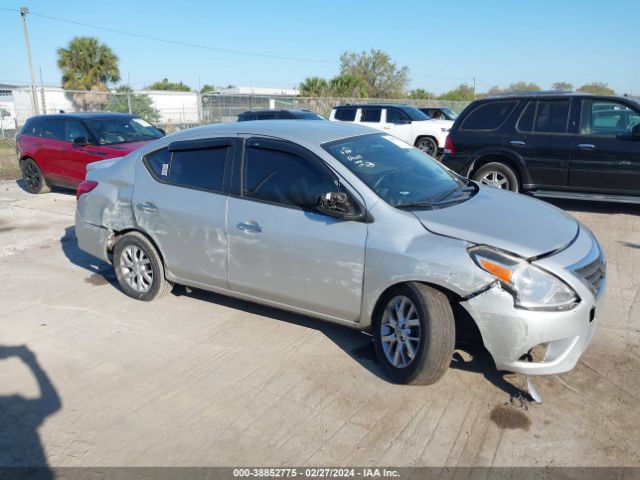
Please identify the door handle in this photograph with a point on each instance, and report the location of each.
(250, 227)
(517, 143)
(586, 146)
(147, 207)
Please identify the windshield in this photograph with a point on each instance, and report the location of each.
(414, 113)
(401, 175)
(121, 130)
(450, 114)
(309, 116)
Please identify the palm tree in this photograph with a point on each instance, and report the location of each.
(314, 87)
(87, 64)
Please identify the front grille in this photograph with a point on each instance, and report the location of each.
(594, 273)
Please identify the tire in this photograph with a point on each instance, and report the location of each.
(428, 145)
(139, 268)
(32, 177)
(499, 175)
(429, 318)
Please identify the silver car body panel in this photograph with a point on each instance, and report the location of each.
(475, 220)
(337, 270)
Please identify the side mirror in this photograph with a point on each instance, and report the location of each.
(635, 132)
(80, 141)
(338, 204)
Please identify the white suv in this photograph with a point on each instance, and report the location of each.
(402, 121)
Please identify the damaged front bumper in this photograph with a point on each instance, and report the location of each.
(535, 342)
(509, 333)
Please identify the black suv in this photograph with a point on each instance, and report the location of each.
(279, 115)
(564, 145)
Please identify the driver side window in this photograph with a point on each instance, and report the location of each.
(607, 118)
(396, 116)
(277, 176)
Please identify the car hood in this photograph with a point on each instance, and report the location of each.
(509, 221)
(120, 149)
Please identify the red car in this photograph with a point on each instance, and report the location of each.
(55, 149)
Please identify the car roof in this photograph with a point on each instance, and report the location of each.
(375, 105)
(276, 111)
(299, 131)
(85, 115)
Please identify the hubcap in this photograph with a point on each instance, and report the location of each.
(427, 146)
(400, 331)
(495, 179)
(136, 268)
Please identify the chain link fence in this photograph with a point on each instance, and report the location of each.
(171, 111)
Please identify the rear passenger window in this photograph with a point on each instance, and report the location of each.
(371, 115)
(345, 114)
(552, 116)
(525, 124)
(53, 130)
(158, 164)
(202, 169)
(488, 116)
(33, 128)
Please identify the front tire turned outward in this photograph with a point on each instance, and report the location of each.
(32, 177)
(139, 268)
(499, 175)
(414, 334)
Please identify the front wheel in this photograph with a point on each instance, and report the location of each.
(414, 334)
(496, 174)
(139, 268)
(428, 145)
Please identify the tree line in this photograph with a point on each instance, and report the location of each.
(90, 66)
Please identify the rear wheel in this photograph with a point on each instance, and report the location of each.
(414, 334)
(428, 145)
(32, 177)
(499, 175)
(139, 268)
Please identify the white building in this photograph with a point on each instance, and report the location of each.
(267, 91)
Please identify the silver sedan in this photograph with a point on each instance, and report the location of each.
(352, 226)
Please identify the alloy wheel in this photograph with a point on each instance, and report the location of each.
(400, 331)
(32, 177)
(428, 146)
(495, 179)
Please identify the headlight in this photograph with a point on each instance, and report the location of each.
(532, 288)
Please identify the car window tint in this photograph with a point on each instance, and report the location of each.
(371, 115)
(607, 118)
(395, 115)
(33, 128)
(285, 178)
(552, 116)
(202, 168)
(266, 116)
(158, 163)
(488, 116)
(53, 129)
(525, 123)
(73, 129)
(345, 114)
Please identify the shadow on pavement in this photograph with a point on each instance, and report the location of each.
(101, 271)
(20, 417)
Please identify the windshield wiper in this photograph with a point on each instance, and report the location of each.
(416, 205)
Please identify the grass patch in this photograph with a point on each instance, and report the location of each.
(9, 169)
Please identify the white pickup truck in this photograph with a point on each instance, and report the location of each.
(402, 121)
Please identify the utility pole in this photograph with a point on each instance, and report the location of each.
(34, 101)
(44, 102)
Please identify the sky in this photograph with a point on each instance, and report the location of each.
(443, 43)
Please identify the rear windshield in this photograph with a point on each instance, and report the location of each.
(308, 116)
(109, 131)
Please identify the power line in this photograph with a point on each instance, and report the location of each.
(176, 42)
